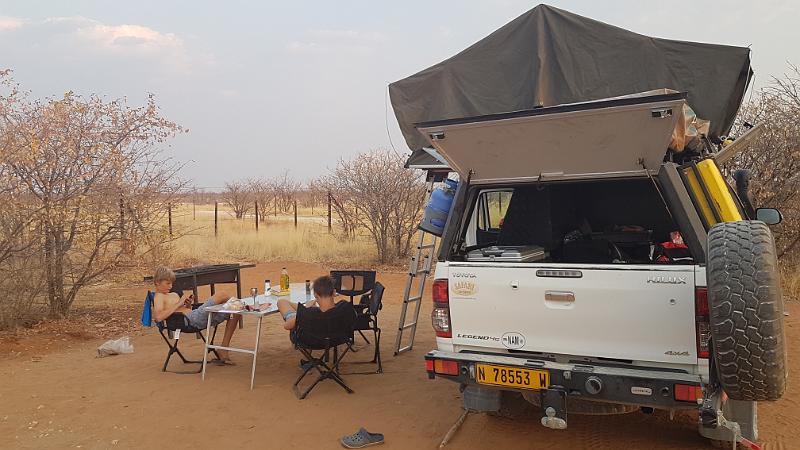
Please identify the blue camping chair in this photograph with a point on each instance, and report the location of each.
(168, 328)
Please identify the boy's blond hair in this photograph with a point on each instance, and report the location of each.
(163, 273)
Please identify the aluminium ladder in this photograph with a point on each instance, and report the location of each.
(418, 269)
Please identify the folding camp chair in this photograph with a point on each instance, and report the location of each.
(171, 329)
(367, 320)
(352, 283)
(325, 332)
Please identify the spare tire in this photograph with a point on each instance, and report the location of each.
(746, 311)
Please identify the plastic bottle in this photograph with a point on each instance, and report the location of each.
(267, 287)
(284, 279)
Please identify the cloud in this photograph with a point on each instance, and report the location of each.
(78, 35)
(11, 23)
(125, 37)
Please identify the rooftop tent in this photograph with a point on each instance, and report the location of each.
(549, 56)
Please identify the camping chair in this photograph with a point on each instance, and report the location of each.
(351, 283)
(323, 331)
(171, 328)
(367, 320)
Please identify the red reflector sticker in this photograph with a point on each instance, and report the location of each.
(429, 365)
(445, 367)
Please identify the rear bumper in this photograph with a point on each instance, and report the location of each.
(643, 387)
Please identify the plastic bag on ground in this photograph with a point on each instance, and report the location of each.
(115, 347)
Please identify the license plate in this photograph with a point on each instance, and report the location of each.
(512, 376)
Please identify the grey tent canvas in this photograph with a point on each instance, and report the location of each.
(549, 56)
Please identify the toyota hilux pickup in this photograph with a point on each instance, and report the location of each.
(589, 268)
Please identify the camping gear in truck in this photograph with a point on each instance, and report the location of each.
(507, 253)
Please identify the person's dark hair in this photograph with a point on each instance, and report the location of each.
(323, 286)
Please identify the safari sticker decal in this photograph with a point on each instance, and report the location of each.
(464, 288)
(463, 284)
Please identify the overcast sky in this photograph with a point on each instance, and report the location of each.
(268, 86)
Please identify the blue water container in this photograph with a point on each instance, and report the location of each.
(438, 208)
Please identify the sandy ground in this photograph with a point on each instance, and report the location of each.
(61, 396)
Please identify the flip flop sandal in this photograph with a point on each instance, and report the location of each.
(361, 439)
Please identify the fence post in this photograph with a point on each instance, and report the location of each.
(194, 206)
(256, 215)
(329, 211)
(276, 206)
(216, 208)
(169, 216)
(500, 203)
(295, 213)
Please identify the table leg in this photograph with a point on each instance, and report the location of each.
(239, 291)
(205, 350)
(255, 353)
(212, 289)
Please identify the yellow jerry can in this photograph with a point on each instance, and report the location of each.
(710, 193)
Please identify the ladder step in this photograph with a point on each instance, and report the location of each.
(422, 271)
(422, 247)
(414, 299)
(408, 325)
(403, 349)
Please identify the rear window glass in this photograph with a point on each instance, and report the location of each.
(613, 221)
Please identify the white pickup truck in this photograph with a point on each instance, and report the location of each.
(587, 268)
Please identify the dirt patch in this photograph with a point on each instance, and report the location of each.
(57, 394)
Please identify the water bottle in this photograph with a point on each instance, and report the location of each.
(267, 288)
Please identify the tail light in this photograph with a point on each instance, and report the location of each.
(445, 367)
(687, 393)
(440, 316)
(702, 323)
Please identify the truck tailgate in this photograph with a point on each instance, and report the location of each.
(641, 313)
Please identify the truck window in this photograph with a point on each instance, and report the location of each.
(489, 215)
(602, 222)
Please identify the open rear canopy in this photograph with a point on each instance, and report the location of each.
(548, 57)
(620, 137)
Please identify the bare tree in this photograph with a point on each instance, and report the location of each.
(95, 183)
(378, 194)
(774, 158)
(285, 189)
(263, 193)
(238, 195)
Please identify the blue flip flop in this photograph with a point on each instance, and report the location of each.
(361, 439)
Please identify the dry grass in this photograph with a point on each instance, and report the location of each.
(791, 283)
(277, 239)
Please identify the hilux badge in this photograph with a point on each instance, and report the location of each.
(666, 280)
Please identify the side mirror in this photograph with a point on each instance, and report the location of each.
(769, 216)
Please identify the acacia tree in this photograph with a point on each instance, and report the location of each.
(285, 189)
(90, 172)
(376, 193)
(774, 158)
(238, 195)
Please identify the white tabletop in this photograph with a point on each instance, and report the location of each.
(297, 294)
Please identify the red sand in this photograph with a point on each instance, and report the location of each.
(67, 398)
